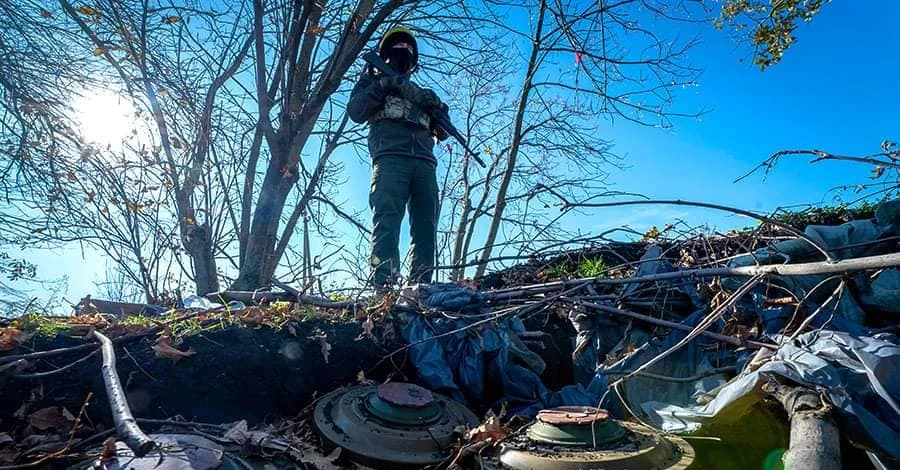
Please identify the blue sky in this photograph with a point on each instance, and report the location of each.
(832, 91)
(836, 89)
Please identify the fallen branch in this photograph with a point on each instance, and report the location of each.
(815, 440)
(255, 297)
(43, 375)
(126, 427)
(891, 260)
(679, 326)
(48, 353)
(701, 375)
(820, 155)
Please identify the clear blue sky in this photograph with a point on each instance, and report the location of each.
(836, 89)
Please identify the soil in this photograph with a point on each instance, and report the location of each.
(237, 373)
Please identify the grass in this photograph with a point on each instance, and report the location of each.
(42, 325)
(592, 267)
(556, 271)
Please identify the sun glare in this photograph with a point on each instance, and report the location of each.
(104, 118)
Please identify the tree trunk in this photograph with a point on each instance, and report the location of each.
(199, 245)
(259, 257)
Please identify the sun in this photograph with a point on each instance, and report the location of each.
(104, 118)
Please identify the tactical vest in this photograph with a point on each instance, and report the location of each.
(401, 109)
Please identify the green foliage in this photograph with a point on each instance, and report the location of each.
(592, 267)
(556, 271)
(769, 24)
(338, 297)
(42, 325)
(827, 215)
(307, 313)
(137, 320)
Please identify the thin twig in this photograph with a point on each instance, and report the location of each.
(679, 202)
(43, 375)
(700, 328)
(679, 326)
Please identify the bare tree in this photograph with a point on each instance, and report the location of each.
(578, 65)
(230, 104)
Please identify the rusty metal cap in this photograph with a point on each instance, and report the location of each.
(573, 415)
(405, 394)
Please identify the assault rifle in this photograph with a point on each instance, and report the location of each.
(442, 119)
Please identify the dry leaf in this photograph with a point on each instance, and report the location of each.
(11, 338)
(164, 350)
(491, 430)
(109, 449)
(46, 14)
(100, 51)
(317, 29)
(50, 417)
(86, 10)
(171, 19)
(321, 462)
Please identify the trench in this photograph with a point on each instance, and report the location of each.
(262, 374)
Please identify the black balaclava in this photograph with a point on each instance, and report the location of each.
(401, 59)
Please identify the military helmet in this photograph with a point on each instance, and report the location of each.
(395, 35)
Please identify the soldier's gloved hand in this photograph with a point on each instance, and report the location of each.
(395, 83)
(427, 99)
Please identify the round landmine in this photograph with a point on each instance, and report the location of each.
(584, 438)
(392, 425)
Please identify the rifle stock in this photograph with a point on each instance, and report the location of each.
(441, 119)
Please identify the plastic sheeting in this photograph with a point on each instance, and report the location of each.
(488, 364)
(849, 240)
(858, 375)
(855, 369)
(482, 365)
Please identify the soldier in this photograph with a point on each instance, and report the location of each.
(401, 143)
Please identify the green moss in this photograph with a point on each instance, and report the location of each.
(42, 325)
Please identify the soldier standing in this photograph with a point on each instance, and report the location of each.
(401, 142)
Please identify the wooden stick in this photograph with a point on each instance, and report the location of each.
(126, 427)
(678, 326)
(800, 269)
(254, 297)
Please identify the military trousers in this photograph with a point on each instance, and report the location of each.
(401, 184)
